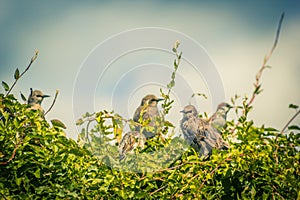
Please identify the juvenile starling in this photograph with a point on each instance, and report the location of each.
(197, 131)
(149, 111)
(218, 119)
(35, 99)
(131, 141)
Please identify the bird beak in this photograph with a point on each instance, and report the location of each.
(182, 111)
(229, 106)
(159, 100)
(45, 96)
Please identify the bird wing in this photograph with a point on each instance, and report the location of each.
(136, 115)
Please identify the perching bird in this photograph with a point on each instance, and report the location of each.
(197, 131)
(35, 99)
(218, 119)
(131, 141)
(200, 133)
(149, 111)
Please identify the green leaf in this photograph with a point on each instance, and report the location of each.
(18, 181)
(179, 57)
(17, 74)
(58, 123)
(169, 124)
(171, 84)
(173, 75)
(257, 90)
(37, 173)
(293, 106)
(294, 127)
(79, 122)
(23, 97)
(5, 86)
(175, 63)
(270, 129)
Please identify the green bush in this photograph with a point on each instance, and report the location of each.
(38, 161)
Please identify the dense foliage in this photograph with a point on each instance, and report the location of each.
(37, 160)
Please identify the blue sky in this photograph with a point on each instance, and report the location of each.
(236, 35)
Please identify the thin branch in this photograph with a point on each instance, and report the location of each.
(187, 184)
(87, 134)
(13, 154)
(171, 84)
(211, 173)
(16, 79)
(266, 59)
(56, 94)
(262, 68)
(159, 189)
(289, 122)
(3, 196)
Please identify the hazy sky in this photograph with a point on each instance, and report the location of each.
(234, 37)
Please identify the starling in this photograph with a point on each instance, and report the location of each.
(35, 99)
(197, 131)
(131, 141)
(147, 111)
(217, 122)
(218, 119)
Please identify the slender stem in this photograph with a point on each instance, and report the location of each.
(289, 122)
(3, 196)
(266, 59)
(262, 68)
(87, 133)
(16, 80)
(159, 189)
(56, 94)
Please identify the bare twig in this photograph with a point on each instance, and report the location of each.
(266, 59)
(257, 83)
(159, 189)
(17, 78)
(56, 94)
(87, 134)
(289, 122)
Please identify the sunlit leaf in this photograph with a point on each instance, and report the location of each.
(17, 74)
(293, 106)
(23, 97)
(294, 127)
(5, 86)
(58, 123)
